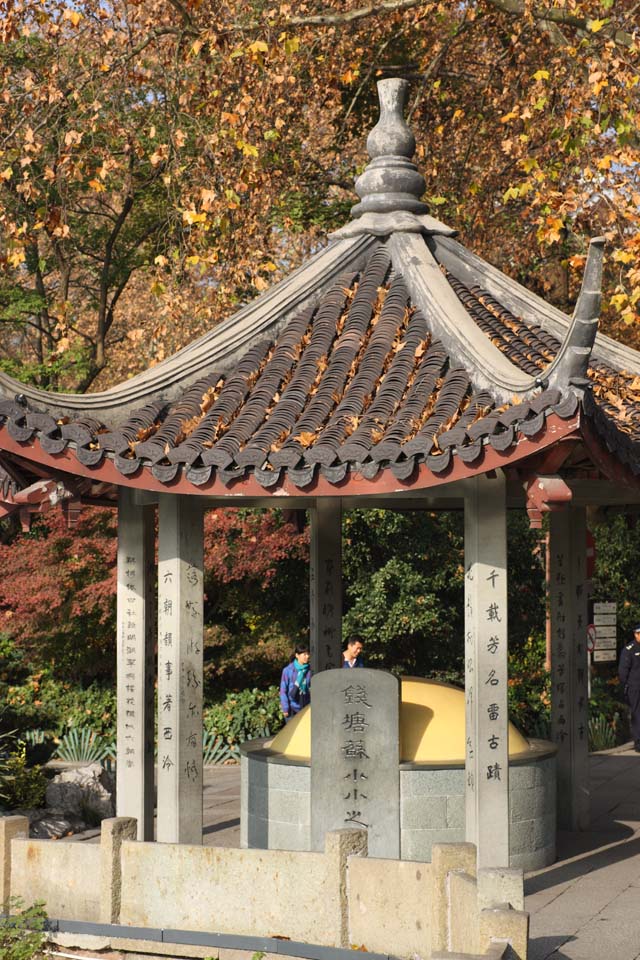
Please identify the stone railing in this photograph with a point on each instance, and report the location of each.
(337, 899)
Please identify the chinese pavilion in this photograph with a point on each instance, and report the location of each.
(395, 369)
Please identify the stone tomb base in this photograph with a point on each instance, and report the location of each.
(275, 804)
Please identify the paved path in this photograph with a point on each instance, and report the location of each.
(221, 806)
(586, 906)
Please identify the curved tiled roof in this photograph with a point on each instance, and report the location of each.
(394, 354)
(360, 382)
(613, 401)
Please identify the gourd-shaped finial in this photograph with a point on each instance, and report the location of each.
(391, 181)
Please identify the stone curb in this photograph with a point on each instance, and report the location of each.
(622, 748)
(273, 945)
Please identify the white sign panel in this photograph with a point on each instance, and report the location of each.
(604, 606)
(606, 643)
(604, 619)
(606, 632)
(602, 655)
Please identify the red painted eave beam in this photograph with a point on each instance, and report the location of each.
(554, 430)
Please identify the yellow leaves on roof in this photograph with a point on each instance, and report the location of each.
(143, 434)
(351, 424)
(305, 438)
(621, 394)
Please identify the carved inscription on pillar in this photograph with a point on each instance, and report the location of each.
(180, 670)
(569, 697)
(326, 585)
(355, 756)
(136, 621)
(486, 672)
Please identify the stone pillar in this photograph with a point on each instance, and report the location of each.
(10, 828)
(180, 674)
(136, 623)
(569, 697)
(486, 671)
(326, 584)
(112, 834)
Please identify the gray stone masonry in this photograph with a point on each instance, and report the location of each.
(112, 834)
(275, 808)
(486, 670)
(325, 572)
(355, 743)
(10, 827)
(180, 673)
(569, 697)
(136, 627)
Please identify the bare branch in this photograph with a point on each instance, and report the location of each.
(561, 16)
(329, 17)
(182, 10)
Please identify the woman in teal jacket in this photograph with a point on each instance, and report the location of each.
(295, 683)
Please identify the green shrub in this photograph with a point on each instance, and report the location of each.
(20, 785)
(530, 688)
(253, 654)
(245, 715)
(22, 934)
(54, 706)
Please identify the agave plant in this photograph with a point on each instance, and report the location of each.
(216, 750)
(40, 746)
(260, 734)
(33, 737)
(602, 732)
(83, 745)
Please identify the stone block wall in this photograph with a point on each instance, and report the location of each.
(275, 808)
(67, 876)
(254, 892)
(275, 805)
(338, 898)
(431, 810)
(382, 892)
(532, 814)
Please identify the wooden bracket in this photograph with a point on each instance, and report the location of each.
(545, 495)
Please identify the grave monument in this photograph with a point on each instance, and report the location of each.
(355, 749)
(398, 773)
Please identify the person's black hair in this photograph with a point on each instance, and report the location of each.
(354, 638)
(299, 648)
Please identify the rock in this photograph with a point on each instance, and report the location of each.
(85, 792)
(50, 827)
(50, 824)
(32, 813)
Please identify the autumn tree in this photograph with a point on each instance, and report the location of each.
(58, 589)
(162, 161)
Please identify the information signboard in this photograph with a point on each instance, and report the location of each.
(604, 606)
(605, 643)
(601, 656)
(604, 619)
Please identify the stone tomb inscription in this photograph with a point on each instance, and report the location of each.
(355, 737)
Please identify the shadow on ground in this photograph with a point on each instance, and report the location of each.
(562, 871)
(542, 948)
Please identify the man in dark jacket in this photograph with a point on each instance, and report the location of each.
(352, 654)
(629, 674)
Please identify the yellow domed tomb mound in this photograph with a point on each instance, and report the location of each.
(432, 726)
